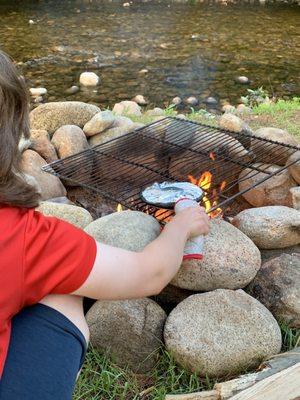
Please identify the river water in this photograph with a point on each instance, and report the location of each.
(188, 48)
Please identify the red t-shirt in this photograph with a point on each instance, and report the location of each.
(39, 255)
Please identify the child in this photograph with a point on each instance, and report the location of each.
(47, 266)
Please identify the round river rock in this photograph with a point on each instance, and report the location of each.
(231, 260)
(77, 216)
(51, 116)
(277, 286)
(69, 140)
(130, 331)
(129, 230)
(221, 332)
(270, 227)
(50, 185)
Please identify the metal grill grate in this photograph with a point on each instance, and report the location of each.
(175, 150)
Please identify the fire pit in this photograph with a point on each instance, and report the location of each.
(173, 150)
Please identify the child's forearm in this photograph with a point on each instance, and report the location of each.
(164, 254)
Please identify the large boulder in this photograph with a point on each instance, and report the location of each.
(77, 216)
(50, 185)
(69, 140)
(51, 116)
(129, 230)
(129, 330)
(100, 121)
(231, 260)
(277, 286)
(270, 227)
(272, 153)
(294, 169)
(127, 108)
(221, 333)
(273, 191)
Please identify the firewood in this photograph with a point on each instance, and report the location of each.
(268, 368)
(207, 395)
(283, 385)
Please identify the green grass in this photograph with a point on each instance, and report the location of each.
(284, 114)
(101, 379)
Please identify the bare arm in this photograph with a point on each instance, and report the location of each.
(122, 274)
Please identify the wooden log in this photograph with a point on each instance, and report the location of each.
(283, 385)
(207, 395)
(268, 368)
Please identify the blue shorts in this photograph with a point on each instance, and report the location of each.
(46, 352)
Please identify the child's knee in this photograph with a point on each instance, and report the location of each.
(71, 307)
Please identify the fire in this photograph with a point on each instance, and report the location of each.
(119, 207)
(163, 214)
(204, 182)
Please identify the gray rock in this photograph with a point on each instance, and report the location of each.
(89, 79)
(130, 331)
(156, 112)
(221, 333)
(140, 99)
(211, 101)
(273, 253)
(243, 80)
(101, 121)
(72, 90)
(51, 116)
(273, 153)
(69, 140)
(77, 216)
(231, 260)
(36, 92)
(130, 230)
(272, 192)
(277, 286)
(127, 108)
(50, 185)
(192, 101)
(270, 227)
(176, 101)
(294, 169)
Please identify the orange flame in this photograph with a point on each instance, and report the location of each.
(204, 182)
(119, 207)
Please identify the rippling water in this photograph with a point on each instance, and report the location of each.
(188, 49)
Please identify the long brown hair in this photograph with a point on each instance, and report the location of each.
(14, 122)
